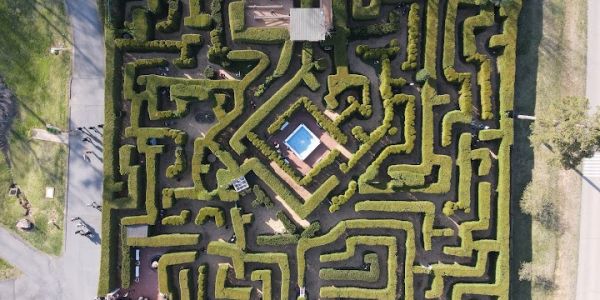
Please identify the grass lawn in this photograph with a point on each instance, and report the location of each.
(7, 271)
(551, 63)
(39, 81)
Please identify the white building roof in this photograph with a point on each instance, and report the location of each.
(308, 24)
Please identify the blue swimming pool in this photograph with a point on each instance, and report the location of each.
(302, 141)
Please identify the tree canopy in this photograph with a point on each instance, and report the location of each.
(569, 130)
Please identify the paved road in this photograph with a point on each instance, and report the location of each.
(589, 232)
(74, 275)
(80, 262)
(38, 280)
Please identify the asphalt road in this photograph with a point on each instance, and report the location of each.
(589, 232)
(74, 275)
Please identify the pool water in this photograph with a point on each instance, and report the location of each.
(302, 141)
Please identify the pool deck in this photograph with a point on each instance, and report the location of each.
(327, 142)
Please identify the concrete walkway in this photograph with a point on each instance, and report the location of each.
(589, 232)
(75, 274)
(80, 262)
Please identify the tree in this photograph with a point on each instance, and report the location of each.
(569, 130)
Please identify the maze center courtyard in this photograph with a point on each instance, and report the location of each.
(336, 149)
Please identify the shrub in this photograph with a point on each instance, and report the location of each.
(180, 163)
(276, 240)
(380, 29)
(165, 240)
(177, 220)
(369, 12)
(311, 230)
(261, 198)
(170, 259)
(171, 24)
(289, 225)
(342, 199)
(210, 212)
(197, 19)
(412, 51)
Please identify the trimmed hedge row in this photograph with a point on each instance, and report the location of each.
(322, 164)
(412, 48)
(311, 230)
(272, 155)
(197, 19)
(340, 200)
(224, 292)
(379, 132)
(380, 29)
(165, 240)
(177, 220)
(369, 12)
(202, 282)
(289, 225)
(277, 240)
(282, 65)
(184, 285)
(169, 259)
(371, 275)
(265, 277)
(179, 165)
(211, 212)
(218, 50)
(171, 24)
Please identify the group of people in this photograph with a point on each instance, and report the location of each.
(87, 139)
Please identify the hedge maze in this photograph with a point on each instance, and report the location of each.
(409, 198)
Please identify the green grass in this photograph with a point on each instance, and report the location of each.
(39, 81)
(7, 271)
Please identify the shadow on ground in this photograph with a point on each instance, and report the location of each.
(530, 35)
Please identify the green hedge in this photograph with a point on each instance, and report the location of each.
(165, 240)
(379, 29)
(412, 47)
(273, 155)
(224, 292)
(202, 282)
(289, 225)
(171, 24)
(179, 165)
(322, 164)
(261, 198)
(197, 19)
(265, 277)
(368, 12)
(169, 259)
(311, 230)
(210, 212)
(371, 275)
(277, 240)
(340, 200)
(177, 220)
(184, 285)
(255, 35)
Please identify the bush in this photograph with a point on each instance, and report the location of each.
(170, 259)
(412, 48)
(197, 19)
(289, 225)
(381, 29)
(171, 24)
(369, 12)
(311, 230)
(210, 212)
(177, 220)
(261, 198)
(342, 199)
(210, 73)
(165, 240)
(277, 240)
(180, 163)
